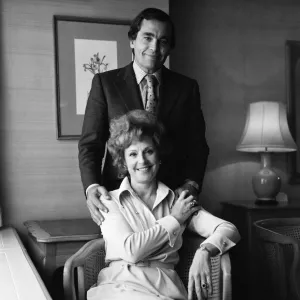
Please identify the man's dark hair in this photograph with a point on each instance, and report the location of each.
(150, 14)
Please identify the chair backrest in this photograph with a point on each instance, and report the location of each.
(278, 242)
(81, 270)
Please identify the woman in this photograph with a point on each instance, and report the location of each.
(143, 228)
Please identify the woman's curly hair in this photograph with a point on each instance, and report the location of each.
(136, 124)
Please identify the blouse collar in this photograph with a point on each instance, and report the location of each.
(163, 192)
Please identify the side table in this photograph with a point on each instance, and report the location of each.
(52, 242)
(244, 258)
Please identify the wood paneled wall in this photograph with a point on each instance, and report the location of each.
(40, 176)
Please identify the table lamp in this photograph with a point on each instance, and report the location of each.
(266, 131)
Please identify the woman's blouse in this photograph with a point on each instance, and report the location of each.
(134, 233)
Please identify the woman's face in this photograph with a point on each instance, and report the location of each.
(141, 159)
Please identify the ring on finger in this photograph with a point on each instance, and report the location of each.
(192, 203)
(204, 285)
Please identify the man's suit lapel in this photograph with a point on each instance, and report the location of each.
(169, 94)
(128, 88)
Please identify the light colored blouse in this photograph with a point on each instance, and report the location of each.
(133, 234)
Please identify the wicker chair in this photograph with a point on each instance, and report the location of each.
(279, 241)
(81, 270)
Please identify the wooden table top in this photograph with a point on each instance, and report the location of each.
(50, 231)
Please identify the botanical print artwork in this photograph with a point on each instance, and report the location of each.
(96, 64)
(91, 57)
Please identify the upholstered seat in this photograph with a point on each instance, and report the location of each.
(81, 270)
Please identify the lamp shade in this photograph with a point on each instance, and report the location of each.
(266, 129)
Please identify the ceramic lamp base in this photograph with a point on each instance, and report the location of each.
(266, 183)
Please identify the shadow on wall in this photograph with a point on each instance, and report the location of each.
(229, 172)
(224, 127)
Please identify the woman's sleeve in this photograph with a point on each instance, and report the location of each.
(123, 243)
(222, 234)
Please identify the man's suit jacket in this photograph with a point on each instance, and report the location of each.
(116, 92)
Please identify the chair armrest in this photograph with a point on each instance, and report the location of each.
(78, 260)
(226, 274)
(220, 267)
(80, 256)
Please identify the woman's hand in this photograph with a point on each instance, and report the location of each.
(184, 207)
(200, 276)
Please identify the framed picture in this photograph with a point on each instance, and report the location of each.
(83, 48)
(293, 104)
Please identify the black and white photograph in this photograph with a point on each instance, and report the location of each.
(150, 150)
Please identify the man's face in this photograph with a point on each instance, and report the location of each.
(152, 45)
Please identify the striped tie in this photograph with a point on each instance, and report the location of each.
(151, 102)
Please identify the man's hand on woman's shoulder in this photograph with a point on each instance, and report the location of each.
(94, 203)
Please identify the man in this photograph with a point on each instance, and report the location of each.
(174, 98)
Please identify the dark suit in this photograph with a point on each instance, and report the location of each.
(116, 92)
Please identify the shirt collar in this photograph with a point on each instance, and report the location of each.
(162, 192)
(140, 74)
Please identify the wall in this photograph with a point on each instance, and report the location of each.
(40, 176)
(236, 51)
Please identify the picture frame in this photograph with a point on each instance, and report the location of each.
(292, 49)
(84, 47)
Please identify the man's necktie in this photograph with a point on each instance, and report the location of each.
(151, 103)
